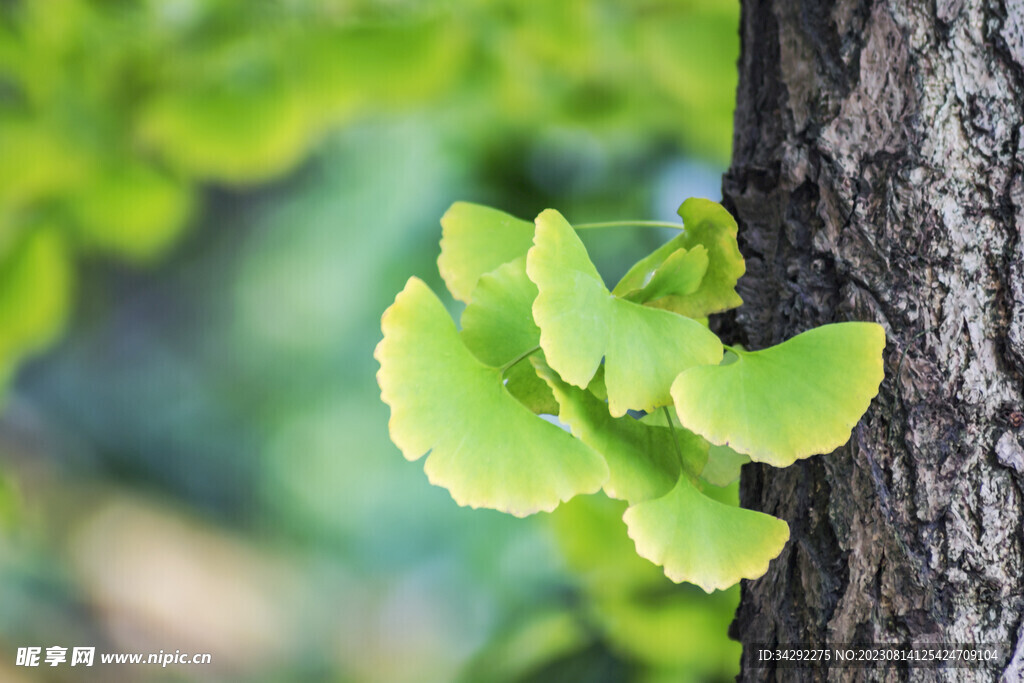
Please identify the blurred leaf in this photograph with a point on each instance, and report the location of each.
(515, 654)
(690, 55)
(343, 69)
(38, 161)
(592, 537)
(132, 210)
(248, 125)
(35, 288)
(679, 630)
(639, 613)
(10, 504)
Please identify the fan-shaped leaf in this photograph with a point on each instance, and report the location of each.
(521, 381)
(790, 401)
(498, 327)
(643, 461)
(487, 449)
(680, 274)
(704, 541)
(709, 225)
(722, 466)
(476, 240)
(581, 323)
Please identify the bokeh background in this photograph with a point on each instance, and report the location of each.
(205, 206)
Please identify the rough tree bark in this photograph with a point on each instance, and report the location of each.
(878, 174)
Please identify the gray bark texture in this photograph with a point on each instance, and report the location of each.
(878, 174)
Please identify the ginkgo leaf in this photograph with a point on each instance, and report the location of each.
(486, 448)
(597, 386)
(723, 465)
(521, 381)
(709, 225)
(581, 323)
(476, 240)
(789, 401)
(702, 540)
(497, 325)
(679, 274)
(498, 328)
(643, 461)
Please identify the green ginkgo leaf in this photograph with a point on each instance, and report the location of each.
(680, 274)
(488, 450)
(497, 325)
(643, 461)
(789, 401)
(702, 540)
(521, 381)
(581, 323)
(475, 240)
(709, 225)
(498, 328)
(723, 465)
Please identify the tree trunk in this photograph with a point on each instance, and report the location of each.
(878, 174)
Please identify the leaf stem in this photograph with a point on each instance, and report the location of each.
(624, 224)
(675, 437)
(738, 352)
(507, 366)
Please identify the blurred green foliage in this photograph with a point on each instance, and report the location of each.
(113, 114)
(314, 144)
(35, 282)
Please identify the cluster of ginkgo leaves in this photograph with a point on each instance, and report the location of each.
(662, 414)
